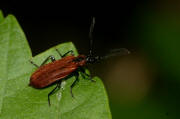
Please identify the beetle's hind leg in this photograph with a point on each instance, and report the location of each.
(75, 81)
(57, 86)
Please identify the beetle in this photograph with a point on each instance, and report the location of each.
(67, 66)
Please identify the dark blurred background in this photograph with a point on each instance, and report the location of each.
(142, 85)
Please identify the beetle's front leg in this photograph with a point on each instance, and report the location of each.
(84, 74)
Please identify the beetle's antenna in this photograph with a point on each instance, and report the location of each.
(116, 52)
(90, 36)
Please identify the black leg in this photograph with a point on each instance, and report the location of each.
(50, 57)
(33, 63)
(59, 53)
(75, 81)
(57, 86)
(84, 75)
(70, 51)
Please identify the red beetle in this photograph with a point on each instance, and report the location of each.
(67, 66)
(59, 69)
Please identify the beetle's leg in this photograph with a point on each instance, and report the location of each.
(75, 81)
(57, 86)
(83, 72)
(50, 57)
(70, 51)
(33, 63)
(89, 77)
(59, 53)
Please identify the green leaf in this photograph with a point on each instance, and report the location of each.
(1, 16)
(20, 101)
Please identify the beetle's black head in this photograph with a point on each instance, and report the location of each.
(91, 59)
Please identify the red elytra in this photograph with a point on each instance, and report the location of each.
(57, 70)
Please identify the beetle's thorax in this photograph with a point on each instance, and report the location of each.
(92, 59)
(80, 60)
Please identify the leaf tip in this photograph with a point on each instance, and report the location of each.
(10, 16)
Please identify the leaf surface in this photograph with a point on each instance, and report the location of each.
(20, 101)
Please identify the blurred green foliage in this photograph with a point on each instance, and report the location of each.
(158, 36)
